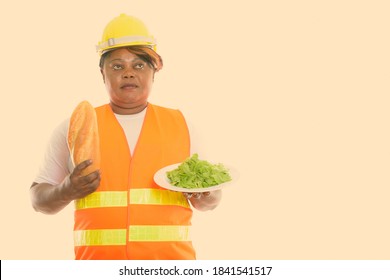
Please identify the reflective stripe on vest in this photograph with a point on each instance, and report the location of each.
(109, 237)
(157, 197)
(103, 199)
(137, 196)
(99, 237)
(159, 233)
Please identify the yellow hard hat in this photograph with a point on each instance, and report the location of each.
(124, 31)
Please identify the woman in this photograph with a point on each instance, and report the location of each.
(120, 212)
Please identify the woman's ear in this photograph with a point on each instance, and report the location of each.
(104, 78)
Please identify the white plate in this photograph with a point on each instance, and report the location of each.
(161, 179)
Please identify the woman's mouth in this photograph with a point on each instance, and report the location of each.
(129, 86)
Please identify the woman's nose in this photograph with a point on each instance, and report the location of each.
(128, 73)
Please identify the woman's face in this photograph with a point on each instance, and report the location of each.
(128, 80)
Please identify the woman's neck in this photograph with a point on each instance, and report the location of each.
(130, 110)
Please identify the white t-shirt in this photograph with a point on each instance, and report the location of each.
(57, 163)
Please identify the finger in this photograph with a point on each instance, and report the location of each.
(206, 194)
(187, 195)
(80, 167)
(93, 185)
(89, 188)
(87, 179)
(197, 195)
(79, 181)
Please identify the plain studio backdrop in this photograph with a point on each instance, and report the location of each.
(293, 94)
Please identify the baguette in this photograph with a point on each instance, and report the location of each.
(83, 137)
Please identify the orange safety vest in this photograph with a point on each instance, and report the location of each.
(129, 216)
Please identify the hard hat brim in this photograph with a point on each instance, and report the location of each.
(114, 43)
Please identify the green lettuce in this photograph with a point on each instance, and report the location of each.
(195, 173)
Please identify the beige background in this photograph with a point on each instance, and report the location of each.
(294, 94)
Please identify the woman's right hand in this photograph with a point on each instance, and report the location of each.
(77, 186)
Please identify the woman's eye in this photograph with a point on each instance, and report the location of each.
(139, 65)
(117, 67)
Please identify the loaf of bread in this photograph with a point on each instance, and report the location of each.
(83, 137)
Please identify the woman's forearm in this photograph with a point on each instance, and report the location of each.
(47, 198)
(50, 199)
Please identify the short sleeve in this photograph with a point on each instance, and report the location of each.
(55, 165)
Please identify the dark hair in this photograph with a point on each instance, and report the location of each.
(144, 52)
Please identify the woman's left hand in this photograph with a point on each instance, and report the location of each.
(196, 195)
(204, 201)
